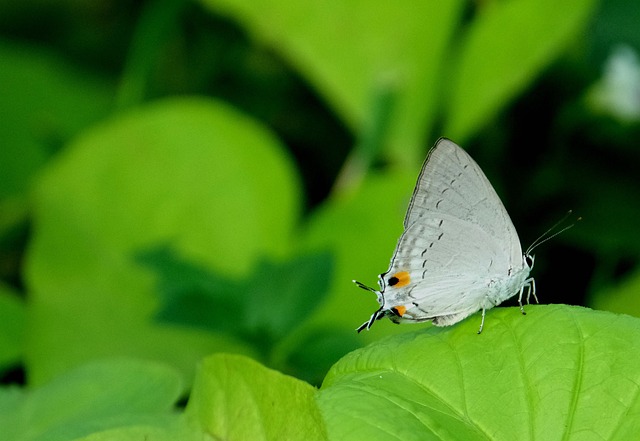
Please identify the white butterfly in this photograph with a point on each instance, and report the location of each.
(459, 252)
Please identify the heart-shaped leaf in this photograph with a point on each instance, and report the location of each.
(191, 172)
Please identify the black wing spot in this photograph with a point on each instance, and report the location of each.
(393, 281)
(440, 236)
(438, 203)
(440, 223)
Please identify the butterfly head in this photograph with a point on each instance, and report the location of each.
(529, 259)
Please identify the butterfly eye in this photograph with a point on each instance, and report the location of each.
(399, 310)
(399, 279)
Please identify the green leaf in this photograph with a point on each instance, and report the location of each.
(236, 398)
(276, 297)
(505, 49)
(12, 327)
(44, 103)
(147, 433)
(280, 296)
(191, 294)
(93, 397)
(559, 372)
(354, 51)
(191, 172)
(155, 28)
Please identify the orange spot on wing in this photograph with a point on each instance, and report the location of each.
(400, 310)
(400, 279)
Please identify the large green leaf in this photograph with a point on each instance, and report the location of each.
(559, 372)
(236, 398)
(505, 48)
(355, 51)
(190, 172)
(90, 398)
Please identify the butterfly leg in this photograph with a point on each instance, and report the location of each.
(482, 322)
(520, 298)
(375, 316)
(531, 284)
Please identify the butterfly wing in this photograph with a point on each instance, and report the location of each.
(448, 268)
(452, 183)
(459, 245)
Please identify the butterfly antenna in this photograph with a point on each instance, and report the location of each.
(548, 235)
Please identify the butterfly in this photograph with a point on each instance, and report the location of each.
(459, 252)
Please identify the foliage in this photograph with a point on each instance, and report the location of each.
(91, 398)
(185, 199)
(440, 384)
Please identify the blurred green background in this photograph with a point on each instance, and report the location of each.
(179, 178)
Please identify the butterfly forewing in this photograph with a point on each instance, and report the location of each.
(452, 183)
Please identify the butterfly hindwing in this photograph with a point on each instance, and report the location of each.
(444, 278)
